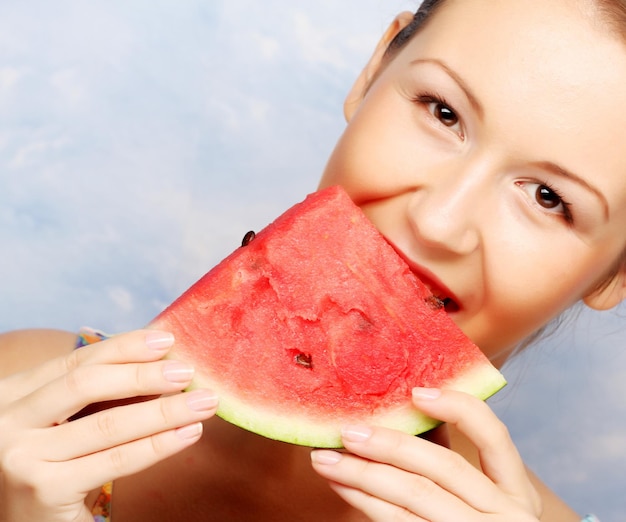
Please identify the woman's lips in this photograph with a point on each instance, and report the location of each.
(438, 289)
(430, 280)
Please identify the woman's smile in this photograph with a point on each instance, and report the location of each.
(448, 299)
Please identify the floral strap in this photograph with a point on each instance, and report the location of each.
(101, 510)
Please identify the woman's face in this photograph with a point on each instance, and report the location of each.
(491, 153)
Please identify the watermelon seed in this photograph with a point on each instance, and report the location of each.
(250, 235)
(434, 302)
(304, 359)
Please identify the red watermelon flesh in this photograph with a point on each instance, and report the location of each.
(317, 323)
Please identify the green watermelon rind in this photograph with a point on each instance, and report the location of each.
(482, 382)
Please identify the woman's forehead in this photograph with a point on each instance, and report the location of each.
(525, 22)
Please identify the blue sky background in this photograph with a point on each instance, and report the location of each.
(140, 139)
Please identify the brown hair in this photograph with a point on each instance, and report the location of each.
(613, 13)
(425, 11)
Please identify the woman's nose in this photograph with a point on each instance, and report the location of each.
(447, 210)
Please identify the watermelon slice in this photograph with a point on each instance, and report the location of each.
(317, 322)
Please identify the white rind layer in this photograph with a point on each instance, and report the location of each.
(324, 431)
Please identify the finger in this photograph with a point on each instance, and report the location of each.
(402, 492)
(374, 508)
(123, 424)
(422, 458)
(58, 400)
(499, 457)
(137, 346)
(82, 475)
(135, 456)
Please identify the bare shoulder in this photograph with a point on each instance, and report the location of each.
(23, 349)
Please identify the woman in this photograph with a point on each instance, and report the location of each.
(477, 143)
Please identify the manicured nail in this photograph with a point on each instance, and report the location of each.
(201, 400)
(356, 433)
(325, 456)
(159, 341)
(193, 431)
(426, 394)
(178, 372)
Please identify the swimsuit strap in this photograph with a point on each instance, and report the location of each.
(101, 510)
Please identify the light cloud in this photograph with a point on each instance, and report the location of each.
(9, 77)
(70, 85)
(34, 153)
(121, 298)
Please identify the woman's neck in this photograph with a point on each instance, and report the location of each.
(231, 474)
(230, 442)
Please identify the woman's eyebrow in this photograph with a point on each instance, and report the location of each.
(560, 171)
(461, 83)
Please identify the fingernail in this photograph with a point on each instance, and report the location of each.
(193, 431)
(427, 394)
(325, 456)
(201, 400)
(356, 433)
(159, 341)
(178, 372)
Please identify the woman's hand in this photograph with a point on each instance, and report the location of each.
(391, 476)
(48, 465)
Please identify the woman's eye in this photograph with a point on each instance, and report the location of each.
(445, 115)
(547, 198)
